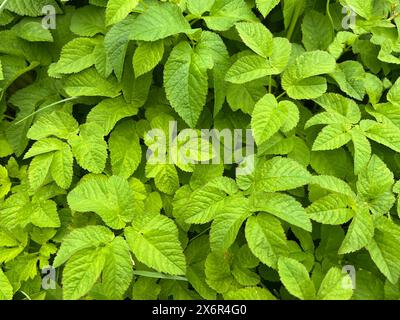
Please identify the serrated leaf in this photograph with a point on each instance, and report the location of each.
(282, 206)
(249, 293)
(117, 273)
(111, 198)
(81, 272)
(279, 174)
(332, 209)
(117, 10)
(125, 149)
(89, 148)
(186, 84)
(80, 239)
(296, 279)
(6, 290)
(155, 243)
(302, 82)
(58, 123)
(227, 222)
(91, 83)
(266, 239)
(266, 6)
(331, 137)
(335, 286)
(158, 22)
(360, 232)
(147, 56)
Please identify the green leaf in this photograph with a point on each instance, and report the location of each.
(32, 30)
(267, 118)
(89, 148)
(32, 8)
(147, 56)
(332, 209)
(332, 137)
(76, 55)
(227, 222)
(111, 198)
(88, 21)
(317, 31)
(256, 36)
(266, 238)
(218, 273)
(280, 174)
(384, 133)
(186, 84)
(266, 6)
(155, 243)
(39, 169)
(225, 13)
(117, 273)
(62, 167)
(6, 290)
(81, 273)
(158, 22)
(125, 150)
(282, 206)
(335, 286)
(382, 249)
(117, 10)
(350, 76)
(44, 214)
(5, 183)
(360, 232)
(80, 239)
(362, 149)
(109, 111)
(301, 81)
(333, 184)
(91, 83)
(204, 203)
(165, 177)
(249, 293)
(247, 68)
(58, 123)
(296, 279)
(198, 8)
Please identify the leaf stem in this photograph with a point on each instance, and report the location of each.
(328, 13)
(281, 95)
(158, 275)
(270, 84)
(44, 108)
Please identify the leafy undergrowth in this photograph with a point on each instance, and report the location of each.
(86, 212)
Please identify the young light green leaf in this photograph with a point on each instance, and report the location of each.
(296, 279)
(266, 238)
(155, 243)
(186, 84)
(111, 198)
(81, 272)
(117, 10)
(280, 174)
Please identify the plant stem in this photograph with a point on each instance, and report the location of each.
(44, 108)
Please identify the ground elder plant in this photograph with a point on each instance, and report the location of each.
(199, 149)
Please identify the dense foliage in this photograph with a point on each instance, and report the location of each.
(314, 80)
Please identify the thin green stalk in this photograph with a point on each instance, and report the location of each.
(158, 275)
(44, 108)
(281, 95)
(270, 84)
(328, 13)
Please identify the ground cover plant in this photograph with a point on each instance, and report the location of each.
(292, 193)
